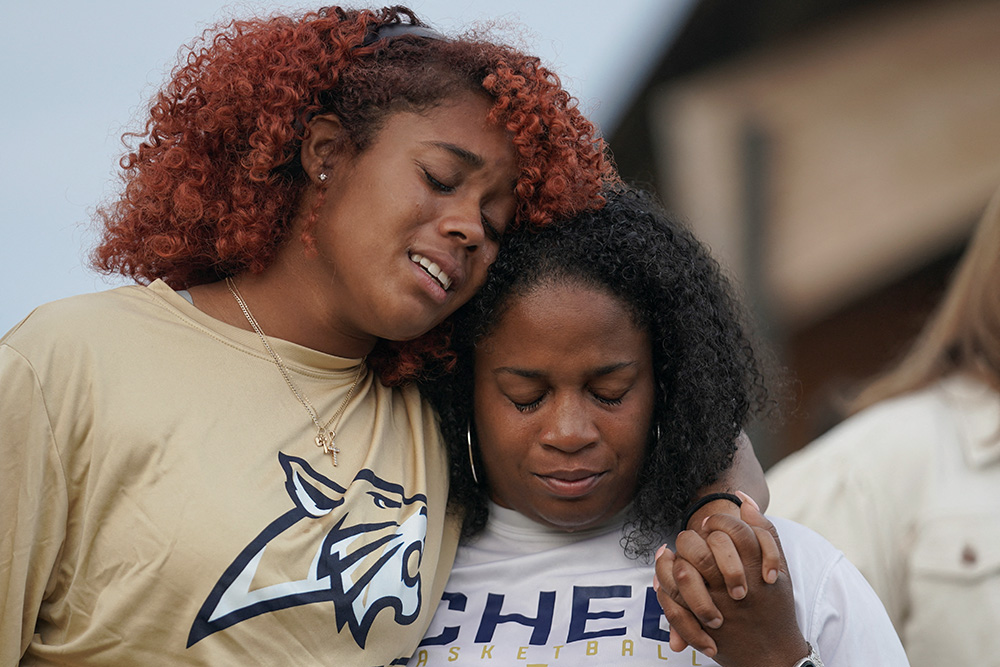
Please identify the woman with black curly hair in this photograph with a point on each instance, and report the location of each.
(219, 465)
(604, 376)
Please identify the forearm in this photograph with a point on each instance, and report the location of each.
(745, 474)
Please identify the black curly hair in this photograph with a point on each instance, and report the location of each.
(707, 376)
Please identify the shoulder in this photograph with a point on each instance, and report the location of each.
(811, 558)
(816, 565)
(77, 314)
(863, 474)
(835, 605)
(805, 547)
(62, 334)
(900, 422)
(900, 431)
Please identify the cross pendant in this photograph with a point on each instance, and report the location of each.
(333, 451)
(325, 441)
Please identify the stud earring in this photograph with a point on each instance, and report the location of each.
(322, 177)
(472, 462)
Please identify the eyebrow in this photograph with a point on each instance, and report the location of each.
(463, 154)
(532, 374)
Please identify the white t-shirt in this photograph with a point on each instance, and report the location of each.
(523, 594)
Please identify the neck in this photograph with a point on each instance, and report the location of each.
(283, 309)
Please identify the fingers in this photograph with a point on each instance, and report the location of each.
(719, 554)
(772, 556)
(693, 592)
(687, 578)
(734, 545)
(751, 514)
(685, 628)
(729, 563)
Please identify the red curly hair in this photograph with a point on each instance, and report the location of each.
(215, 182)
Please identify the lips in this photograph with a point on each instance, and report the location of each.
(433, 270)
(571, 483)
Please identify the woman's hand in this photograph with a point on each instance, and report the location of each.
(715, 606)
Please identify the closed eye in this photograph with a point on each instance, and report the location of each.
(608, 401)
(492, 233)
(527, 406)
(436, 184)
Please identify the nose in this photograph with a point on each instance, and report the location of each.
(463, 223)
(569, 426)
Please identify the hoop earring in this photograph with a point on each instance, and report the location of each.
(472, 462)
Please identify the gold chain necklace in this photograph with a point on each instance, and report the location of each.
(325, 434)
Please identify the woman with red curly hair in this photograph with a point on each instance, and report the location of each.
(225, 463)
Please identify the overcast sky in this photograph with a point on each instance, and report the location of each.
(76, 75)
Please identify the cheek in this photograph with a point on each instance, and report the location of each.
(489, 254)
(497, 440)
(480, 268)
(634, 439)
(503, 474)
(501, 442)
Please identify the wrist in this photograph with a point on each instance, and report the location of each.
(706, 506)
(811, 660)
(785, 651)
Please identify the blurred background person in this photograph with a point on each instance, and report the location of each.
(909, 486)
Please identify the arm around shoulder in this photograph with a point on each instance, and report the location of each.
(745, 474)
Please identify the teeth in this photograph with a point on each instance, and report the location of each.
(433, 269)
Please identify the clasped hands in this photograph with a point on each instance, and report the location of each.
(727, 591)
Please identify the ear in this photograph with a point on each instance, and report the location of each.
(323, 146)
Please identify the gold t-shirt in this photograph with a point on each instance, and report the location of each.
(164, 501)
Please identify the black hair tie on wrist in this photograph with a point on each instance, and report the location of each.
(704, 500)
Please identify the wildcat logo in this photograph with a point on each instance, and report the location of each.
(362, 568)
